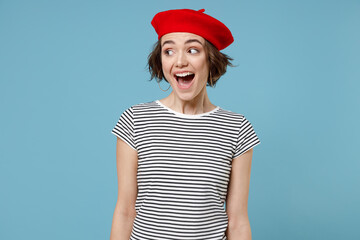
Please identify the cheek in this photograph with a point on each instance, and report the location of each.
(201, 63)
(163, 63)
(203, 66)
(166, 69)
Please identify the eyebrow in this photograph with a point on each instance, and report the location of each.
(187, 42)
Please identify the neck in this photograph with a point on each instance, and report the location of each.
(197, 105)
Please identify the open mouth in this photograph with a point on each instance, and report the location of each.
(184, 79)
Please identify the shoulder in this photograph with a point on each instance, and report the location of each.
(143, 105)
(137, 106)
(143, 108)
(231, 115)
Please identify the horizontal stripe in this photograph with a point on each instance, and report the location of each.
(184, 165)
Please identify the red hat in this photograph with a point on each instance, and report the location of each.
(197, 22)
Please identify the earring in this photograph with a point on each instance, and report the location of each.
(163, 89)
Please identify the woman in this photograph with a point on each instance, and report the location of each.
(180, 158)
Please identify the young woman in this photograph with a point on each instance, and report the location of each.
(180, 158)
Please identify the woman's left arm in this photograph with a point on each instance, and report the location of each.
(237, 198)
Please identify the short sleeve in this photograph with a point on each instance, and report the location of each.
(246, 139)
(124, 128)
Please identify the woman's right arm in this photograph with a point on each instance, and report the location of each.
(124, 214)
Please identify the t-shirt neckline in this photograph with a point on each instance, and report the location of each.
(186, 115)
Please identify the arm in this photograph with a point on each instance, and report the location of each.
(237, 198)
(124, 214)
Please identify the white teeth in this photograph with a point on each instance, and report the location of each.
(183, 74)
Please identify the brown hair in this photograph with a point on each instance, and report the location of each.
(217, 60)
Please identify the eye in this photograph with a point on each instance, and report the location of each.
(193, 50)
(169, 52)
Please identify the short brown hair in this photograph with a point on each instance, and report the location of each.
(217, 60)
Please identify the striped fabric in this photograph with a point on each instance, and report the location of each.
(184, 164)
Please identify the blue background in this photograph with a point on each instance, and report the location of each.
(68, 69)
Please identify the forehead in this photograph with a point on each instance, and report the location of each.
(179, 37)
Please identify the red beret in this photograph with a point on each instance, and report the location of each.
(197, 22)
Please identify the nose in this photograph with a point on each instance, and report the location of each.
(181, 60)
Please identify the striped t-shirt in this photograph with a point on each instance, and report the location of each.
(184, 164)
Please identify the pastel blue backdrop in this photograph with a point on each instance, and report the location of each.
(68, 69)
